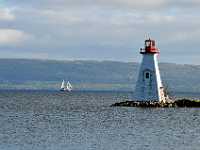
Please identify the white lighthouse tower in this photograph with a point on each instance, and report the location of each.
(149, 85)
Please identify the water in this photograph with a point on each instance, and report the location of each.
(44, 120)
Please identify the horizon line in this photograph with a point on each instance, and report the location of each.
(91, 60)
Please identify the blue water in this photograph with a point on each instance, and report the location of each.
(46, 120)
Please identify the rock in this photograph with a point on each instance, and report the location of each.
(177, 103)
(187, 103)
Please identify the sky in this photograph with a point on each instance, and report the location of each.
(99, 29)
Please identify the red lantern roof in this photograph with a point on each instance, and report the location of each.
(150, 47)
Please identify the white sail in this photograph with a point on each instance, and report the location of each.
(63, 84)
(69, 86)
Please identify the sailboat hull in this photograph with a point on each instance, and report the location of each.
(65, 90)
(62, 90)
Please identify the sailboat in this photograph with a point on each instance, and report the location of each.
(67, 87)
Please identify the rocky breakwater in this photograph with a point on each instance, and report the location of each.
(176, 103)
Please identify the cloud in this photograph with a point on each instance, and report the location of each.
(100, 29)
(6, 15)
(59, 4)
(185, 3)
(10, 37)
(139, 5)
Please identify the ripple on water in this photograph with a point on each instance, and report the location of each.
(84, 121)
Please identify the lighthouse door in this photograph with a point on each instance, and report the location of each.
(147, 76)
(147, 82)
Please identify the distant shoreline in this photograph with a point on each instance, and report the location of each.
(91, 75)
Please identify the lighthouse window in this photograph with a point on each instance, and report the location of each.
(148, 43)
(147, 75)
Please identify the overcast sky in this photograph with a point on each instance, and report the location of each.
(99, 29)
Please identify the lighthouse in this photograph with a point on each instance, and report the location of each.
(149, 86)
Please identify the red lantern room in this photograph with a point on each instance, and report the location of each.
(150, 47)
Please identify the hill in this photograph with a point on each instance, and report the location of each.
(87, 75)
